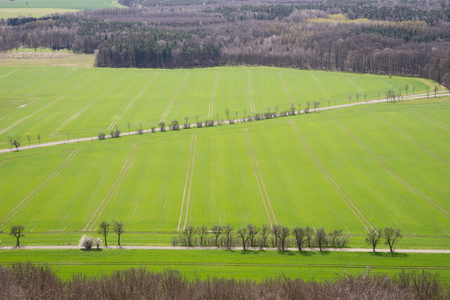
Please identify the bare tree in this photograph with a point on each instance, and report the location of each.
(435, 91)
(300, 236)
(243, 235)
(357, 97)
(392, 236)
(162, 125)
(428, 92)
(227, 230)
(202, 232)
(309, 235)
(373, 237)
(186, 124)
(118, 229)
(227, 112)
(337, 239)
(365, 96)
(350, 99)
(320, 238)
(217, 231)
(414, 89)
(406, 89)
(17, 232)
(189, 232)
(252, 232)
(29, 140)
(104, 230)
(264, 233)
(16, 144)
(39, 138)
(129, 127)
(283, 233)
(11, 140)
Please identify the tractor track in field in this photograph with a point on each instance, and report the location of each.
(174, 98)
(324, 91)
(213, 95)
(411, 139)
(101, 207)
(181, 248)
(331, 180)
(254, 161)
(8, 74)
(57, 130)
(31, 195)
(250, 92)
(429, 120)
(190, 171)
(130, 105)
(388, 169)
(286, 90)
(43, 107)
(3, 162)
(86, 139)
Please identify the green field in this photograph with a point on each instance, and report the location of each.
(39, 8)
(83, 102)
(230, 264)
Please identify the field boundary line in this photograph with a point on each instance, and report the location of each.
(354, 84)
(113, 188)
(330, 179)
(213, 95)
(429, 120)
(8, 74)
(128, 107)
(185, 183)
(386, 167)
(174, 98)
(42, 108)
(324, 91)
(256, 176)
(31, 195)
(250, 91)
(411, 139)
(190, 183)
(57, 130)
(286, 90)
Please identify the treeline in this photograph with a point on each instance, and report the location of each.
(396, 39)
(27, 281)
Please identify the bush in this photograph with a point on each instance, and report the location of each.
(87, 242)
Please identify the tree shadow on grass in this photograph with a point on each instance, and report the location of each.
(388, 254)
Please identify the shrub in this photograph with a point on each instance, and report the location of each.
(88, 241)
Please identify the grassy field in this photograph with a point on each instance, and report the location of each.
(256, 265)
(82, 102)
(39, 8)
(392, 169)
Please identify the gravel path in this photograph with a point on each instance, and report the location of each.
(431, 251)
(405, 98)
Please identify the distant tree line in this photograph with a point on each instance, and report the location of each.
(404, 38)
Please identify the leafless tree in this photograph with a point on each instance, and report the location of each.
(227, 112)
(337, 239)
(118, 229)
(202, 232)
(104, 230)
(252, 232)
(435, 91)
(17, 232)
(264, 234)
(227, 230)
(244, 236)
(391, 236)
(217, 231)
(374, 237)
(189, 232)
(300, 236)
(309, 235)
(39, 138)
(29, 140)
(283, 233)
(320, 238)
(16, 144)
(162, 125)
(357, 97)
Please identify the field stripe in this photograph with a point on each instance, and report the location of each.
(250, 92)
(31, 195)
(98, 212)
(186, 181)
(324, 91)
(354, 84)
(190, 182)
(86, 107)
(330, 179)
(117, 119)
(8, 74)
(42, 108)
(172, 101)
(3, 162)
(252, 155)
(286, 90)
(429, 120)
(213, 95)
(393, 173)
(411, 139)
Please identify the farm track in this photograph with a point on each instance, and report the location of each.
(172, 101)
(324, 91)
(286, 90)
(250, 92)
(3, 162)
(429, 120)
(86, 107)
(31, 195)
(354, 85)
(213, 95)
(130, 105)
(351, 250)
(254, 161)
(388, 169)
(98, 212)
(190, 171)
(42, 108)
(8, 74)
(86, 139)
(411, 139)
(330, 179)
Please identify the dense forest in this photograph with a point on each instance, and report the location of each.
(404, 37)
